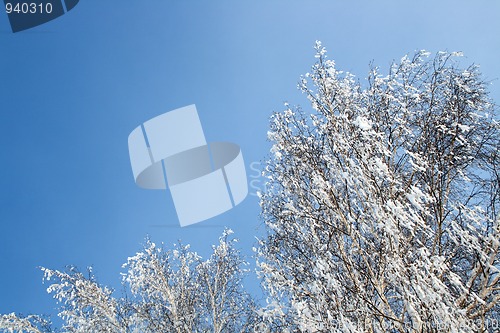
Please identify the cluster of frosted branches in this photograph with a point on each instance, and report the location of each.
(382, 202)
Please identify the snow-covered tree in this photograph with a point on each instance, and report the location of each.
(166, 291)
(382, 202)
(175, 291)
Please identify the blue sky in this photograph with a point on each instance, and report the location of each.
(73, 89)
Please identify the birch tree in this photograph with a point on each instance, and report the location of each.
(382, 202)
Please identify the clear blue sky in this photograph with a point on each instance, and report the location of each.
(73, 89)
